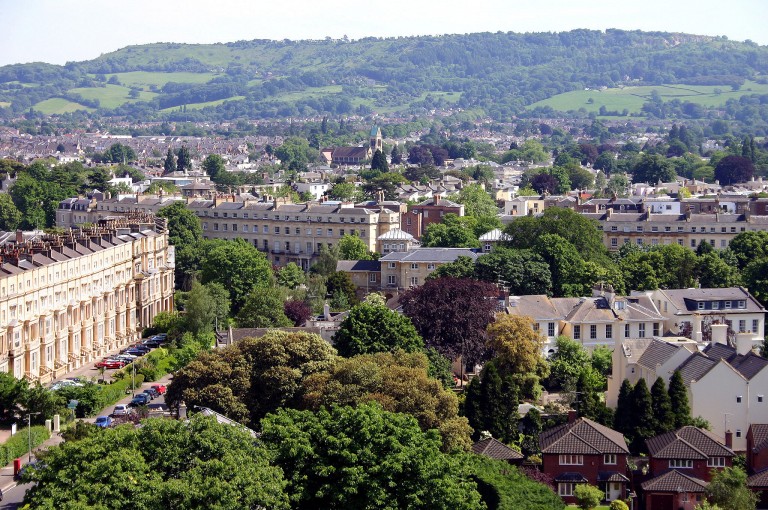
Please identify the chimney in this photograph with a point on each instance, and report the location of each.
(572, 416)
(719, 334)
(19, 236)
(744, 342)
(436, 199)
(728, 439)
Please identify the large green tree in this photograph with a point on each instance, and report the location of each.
(522, 271)
(372, 327)
(10, 216)
(477, 202)
(663, 414)
(183, 159)
(678, 398)
(169, 163)
(491, 404)
(198, 464)
(452, 232)
(365, 457)
(643, 420)
(728, 489)
(353, 248)
(264, 308)
(214, 166)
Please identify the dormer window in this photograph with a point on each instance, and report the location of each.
(700, 305)
(728, 305)
(742, 304)
(715, 305)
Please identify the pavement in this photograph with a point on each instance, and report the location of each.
(7, 481)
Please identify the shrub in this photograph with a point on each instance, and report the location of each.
(18, 444)
(587, 496)
(618, 504)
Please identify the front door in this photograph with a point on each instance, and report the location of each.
(613, 490)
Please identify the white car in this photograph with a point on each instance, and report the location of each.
(121, 410)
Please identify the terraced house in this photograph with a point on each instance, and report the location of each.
(66, 300)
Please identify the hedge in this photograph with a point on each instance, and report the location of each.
(117, 390)
(18, 444)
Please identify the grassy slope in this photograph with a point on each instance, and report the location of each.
(111, 96)
(57, 105)
(143, 79)
(632, 98)
(198, 106)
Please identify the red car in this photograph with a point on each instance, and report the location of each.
(110, 363)
(160, 388)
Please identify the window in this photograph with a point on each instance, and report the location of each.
(287, 231)
(738, 399)
(593, 331)
(571, 460)
(656, 328)
(341, 232)
(297, 231)
(626, 330)
(715, 305)
(391, 265)
(716, 462)
(681, 463)
(265, 229)
(414, 266)
(728, 305)
(577, 332)
(641, 330)
(330, 231)
(551, 329)
(755, 325)
(700, 305)
(430, 266)
(742, 304)
(742, 326)
(215, 226)
(372, 277)
(609, 458)
(391, 279)
(277, 231)
(614, 242)
(566, 488)
(609, 331)
(738, 432)
(414, 281)
(759, 398)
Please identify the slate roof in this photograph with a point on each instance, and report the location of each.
(759, 435)
(657, 353)
(429, 255)
(759, 479)
(611, 476)
(687, 443)
(749, 365)
(686, 299)
(496, 450)
(584, 437)
(674, 481)
(696, 367)
(720, 351)
(358, 265)
(571, 477)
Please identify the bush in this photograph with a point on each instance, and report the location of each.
(618, 504)
(18, 444)
(587, 496)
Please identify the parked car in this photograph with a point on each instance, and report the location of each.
(125, 358)
(135, 352)
(110, 363)
(103, 421)
(161, 389)
(161, 336)
(35, 464)
(153, 393)
(141, 347)
(121, 410)
(65, 383)
(141, 399)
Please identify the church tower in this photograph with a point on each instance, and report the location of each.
(376, 141)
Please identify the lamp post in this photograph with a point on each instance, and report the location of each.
(133, 378)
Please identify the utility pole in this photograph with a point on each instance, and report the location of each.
(133, 378)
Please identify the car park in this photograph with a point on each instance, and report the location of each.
(103, 421)
(121, 410)
(141, 399)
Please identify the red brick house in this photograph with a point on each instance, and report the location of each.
(583, 451)
(420, 216)
(685, 457)
(757, 460)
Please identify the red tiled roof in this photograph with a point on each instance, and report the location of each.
(496, 450)
(582, 436)
(759, 435)
(687, 443)
(674, 481)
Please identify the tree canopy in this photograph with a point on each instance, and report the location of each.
(372, 327)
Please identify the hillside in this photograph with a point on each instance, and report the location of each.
(500, 74)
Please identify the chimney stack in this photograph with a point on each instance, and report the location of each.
(572, 416)
(728, 439)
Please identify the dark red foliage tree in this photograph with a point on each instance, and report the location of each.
(297, 311)
(544, 183)
(733, 169)
(451, 315)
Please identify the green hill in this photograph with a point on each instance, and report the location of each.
(500, 74)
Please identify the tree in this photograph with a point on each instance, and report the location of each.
(564, 262)
(618, 504)
(678, 399)
(162, 464)
(602, 360)
(728, 489)
(623, 418)
(491, 403)
(290, 276)
(372, 327)
(254, 377)
(341, 282)
(379, 162)
(345, 191)
(400, 382)
(516, 344)
(326, 261)
(200, 310)
(183, 159)
(749, 246)
(664, 415)
(297, 311)
(642, 416)
(587, 496)
(10, 216)
(364, 457)
(565, 363)
(462, 267)
(714, 272)
(295, 153)
(183, 225)
(169, 164)
(477, 202)
(395, 156)
(653, 168)
(451, 314)
(264, 308)
(213, 165)
(523, 271)
(452, 232)
(238, 266)
(734, 169)
(353, 248)
(12, 391)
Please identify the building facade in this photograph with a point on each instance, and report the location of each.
(66, 300)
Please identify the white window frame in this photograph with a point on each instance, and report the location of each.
(680, 464)
(571, 459)
(610, 459)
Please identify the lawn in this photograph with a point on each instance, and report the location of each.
(111, 96)
(198, 106)
(58, 105)
(632, 98)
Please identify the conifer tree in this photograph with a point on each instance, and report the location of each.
(379, 162)
(184, 160)
(662, 407)
(642, 416)
(396, 157)
(491, 404)
(169, 165)
(622, 419)
(678, 397)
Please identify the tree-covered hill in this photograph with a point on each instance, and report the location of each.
(498, 73)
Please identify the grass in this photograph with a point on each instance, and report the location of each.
(57, 105)
(3, 104)
(111, 96)
(632, 98)
(198, 106)
(144, 79)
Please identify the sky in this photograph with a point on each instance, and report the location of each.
(58, 31)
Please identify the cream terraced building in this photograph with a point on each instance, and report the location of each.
(66, 300)
(288, 232)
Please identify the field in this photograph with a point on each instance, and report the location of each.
(144, 79)
(57, 105)
(3, 104)
(198, 106)
(111, 96)
(632, 98)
